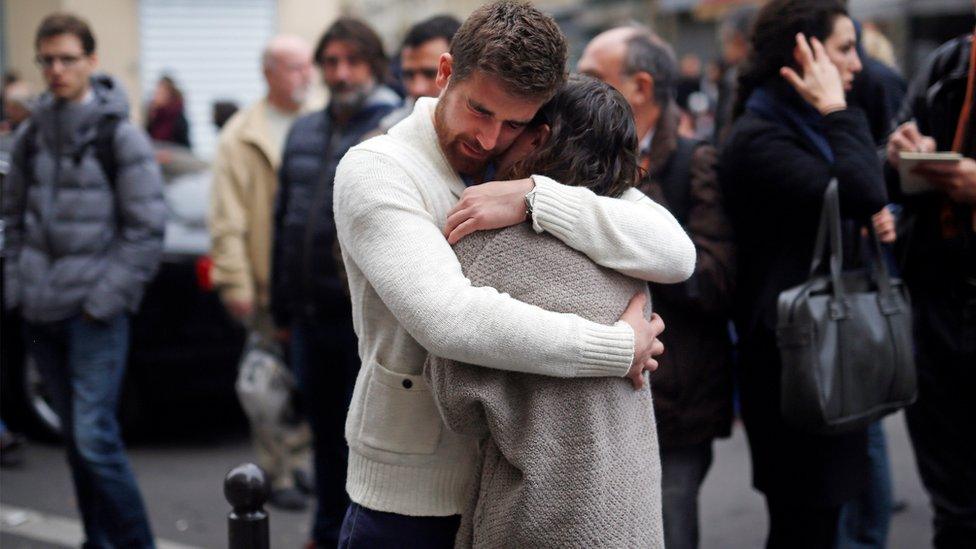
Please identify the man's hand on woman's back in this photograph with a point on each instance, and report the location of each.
(646, 344)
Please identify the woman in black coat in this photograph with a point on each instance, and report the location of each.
(794, 132)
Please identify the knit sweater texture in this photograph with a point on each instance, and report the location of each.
(410, 298)
(565, 462)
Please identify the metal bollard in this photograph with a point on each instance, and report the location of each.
(246, 488)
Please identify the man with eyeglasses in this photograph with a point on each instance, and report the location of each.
(85, 215)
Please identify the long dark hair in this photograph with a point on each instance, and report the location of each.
(593, 142)
(774, 38)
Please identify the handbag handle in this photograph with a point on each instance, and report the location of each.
(830, 227)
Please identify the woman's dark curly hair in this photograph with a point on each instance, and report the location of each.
(774, 38)
(593, 142)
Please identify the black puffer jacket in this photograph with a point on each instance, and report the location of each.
(305, 278)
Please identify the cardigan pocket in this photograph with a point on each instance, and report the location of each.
(399, 414)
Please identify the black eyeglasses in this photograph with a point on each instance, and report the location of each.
(48, 61)
(409, 74)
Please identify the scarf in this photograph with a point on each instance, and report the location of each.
(784, 106)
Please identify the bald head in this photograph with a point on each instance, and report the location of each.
(287, 65)
(639, 64)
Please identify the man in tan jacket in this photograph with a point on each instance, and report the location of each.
(242, 202)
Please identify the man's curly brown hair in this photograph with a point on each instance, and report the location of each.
(515, 43)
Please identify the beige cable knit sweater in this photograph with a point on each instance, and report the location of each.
(564, 462)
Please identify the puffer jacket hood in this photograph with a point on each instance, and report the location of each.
(73, 124)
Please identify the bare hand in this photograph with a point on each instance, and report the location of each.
(907, 138)
(240, 309)
(491, 205)
(957, 180)
(646, 344)
(884, 225)
(820, 85)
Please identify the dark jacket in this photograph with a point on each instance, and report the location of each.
(774, 179)
(77, 242)
(305, 278)
(692, 386)
(878, 91)
(938, 261)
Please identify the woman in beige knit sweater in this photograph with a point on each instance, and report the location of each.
(564, 462)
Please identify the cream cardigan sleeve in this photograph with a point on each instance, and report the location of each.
(387, 231)
(632, 235)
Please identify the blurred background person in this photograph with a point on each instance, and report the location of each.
(308, 294)
(422, 48)
(222, 112)
(17, 104)
(734, 32)
(84, 216)
(242, 201)
(937, 246)
(692, 388)
(793, 133)
(166, 120)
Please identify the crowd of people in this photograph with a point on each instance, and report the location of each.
(462, 279)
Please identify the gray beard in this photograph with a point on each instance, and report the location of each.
(349, 101)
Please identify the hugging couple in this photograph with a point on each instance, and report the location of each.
(503, 400)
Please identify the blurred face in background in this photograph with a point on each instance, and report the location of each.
(288, 72)
(603, 59)
(347, 74)
(419, 67)
(65, 66)
(841, 48)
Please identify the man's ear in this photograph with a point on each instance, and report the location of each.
(643, 89)
(445, 66)
(542, 134)
(94, 60)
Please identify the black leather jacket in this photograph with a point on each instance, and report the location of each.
(934, 258)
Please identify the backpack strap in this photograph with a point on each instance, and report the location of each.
(676, 179)
(105, 147)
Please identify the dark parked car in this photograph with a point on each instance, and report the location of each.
(184, 347)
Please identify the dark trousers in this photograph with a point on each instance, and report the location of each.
(83, 363)
(941, 422)
(793, 526)
(864, 521)
(325, 358)
(683, 470)
(365, 529)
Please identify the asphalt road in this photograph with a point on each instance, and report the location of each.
(181, 479)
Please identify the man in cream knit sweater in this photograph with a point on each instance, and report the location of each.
(396, 196)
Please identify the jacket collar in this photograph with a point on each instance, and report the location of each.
(254, 130)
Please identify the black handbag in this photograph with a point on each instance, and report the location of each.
(845, 339)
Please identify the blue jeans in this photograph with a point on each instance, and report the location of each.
(325, 359)
(682, 472)
(365, 529)
(82, 363)
(864, 521)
